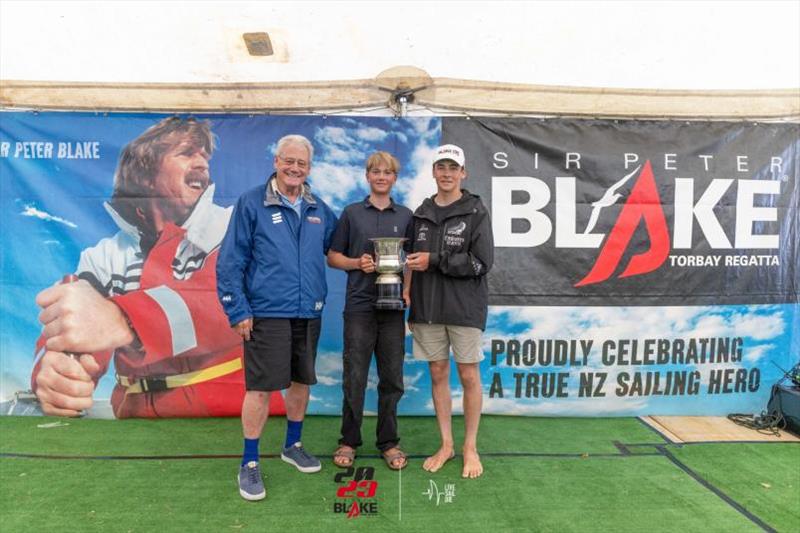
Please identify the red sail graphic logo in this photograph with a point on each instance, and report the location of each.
(354, 511)
(643, 203)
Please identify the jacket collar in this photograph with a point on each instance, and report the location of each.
(202, 227)
(271, 196)
(463, 206)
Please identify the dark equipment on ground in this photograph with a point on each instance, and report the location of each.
(783, 408)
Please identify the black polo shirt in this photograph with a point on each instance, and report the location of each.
(359, 223)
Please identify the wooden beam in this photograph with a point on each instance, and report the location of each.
(184, 97)
(506, 98)
(469, 97)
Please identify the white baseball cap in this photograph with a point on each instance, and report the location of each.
(449, 151)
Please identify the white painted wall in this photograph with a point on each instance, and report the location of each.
(667, 45)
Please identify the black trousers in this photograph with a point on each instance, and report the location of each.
(381, 332)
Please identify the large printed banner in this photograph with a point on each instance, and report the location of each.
(637, 213)
(640, 267)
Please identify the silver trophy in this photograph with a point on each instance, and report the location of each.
(390, 258)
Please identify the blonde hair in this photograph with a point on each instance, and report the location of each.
(385, 158)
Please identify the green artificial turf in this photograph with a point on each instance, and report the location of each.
(591, 486)
(635, 494)
(764, 478)
(320, 434)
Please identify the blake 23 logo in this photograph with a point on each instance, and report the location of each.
(643, 204)
(360, 488)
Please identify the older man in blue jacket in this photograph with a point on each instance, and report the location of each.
(271, 282)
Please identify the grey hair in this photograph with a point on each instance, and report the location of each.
(295, 139)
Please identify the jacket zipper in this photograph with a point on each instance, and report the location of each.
(440, 234)
(303, 210)
(440, 246)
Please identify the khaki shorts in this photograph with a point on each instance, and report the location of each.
(432, 342)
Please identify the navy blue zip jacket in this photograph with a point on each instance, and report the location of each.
(272, 263)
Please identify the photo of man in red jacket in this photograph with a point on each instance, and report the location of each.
(146, 297)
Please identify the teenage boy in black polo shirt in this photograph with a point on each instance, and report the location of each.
(366, 329)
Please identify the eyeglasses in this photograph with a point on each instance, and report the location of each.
(301, 164)
(378, 172)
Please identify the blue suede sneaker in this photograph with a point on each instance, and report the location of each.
(251, 487)
(297, 455)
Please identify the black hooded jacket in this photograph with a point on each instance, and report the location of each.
(454, 289)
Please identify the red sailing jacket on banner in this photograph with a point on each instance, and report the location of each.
(187, 361)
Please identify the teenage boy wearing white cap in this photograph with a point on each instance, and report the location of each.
(453, 250)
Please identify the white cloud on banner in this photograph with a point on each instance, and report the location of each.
(417, 181)
(327, 380)
(10, 384)
(31, 211)
(329, 371)
(337, 173)
(338, 145)
(372, 134)
(372, 379)
(410, 382)
(333, 135)
(351, 145)
(337, 184)
(424, 126)
(759, 327)
(329, 368)
(756, 322)
(754, 353)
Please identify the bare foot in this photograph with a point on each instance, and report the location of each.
(472, 464)
(437, 460)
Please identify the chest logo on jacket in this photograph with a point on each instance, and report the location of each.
(422, 234)
(454, 236)
(458, 229)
